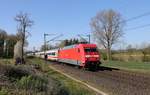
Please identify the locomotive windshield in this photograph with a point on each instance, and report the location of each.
(90, 49)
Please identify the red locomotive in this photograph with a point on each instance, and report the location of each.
(82, 55)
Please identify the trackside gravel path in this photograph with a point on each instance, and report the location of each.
(109, 80)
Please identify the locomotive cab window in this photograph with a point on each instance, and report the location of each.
(90, 50)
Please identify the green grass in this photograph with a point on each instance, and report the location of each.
(7, 61)
(3, 91)
(36, 78)
(74, 88)
(132, 66)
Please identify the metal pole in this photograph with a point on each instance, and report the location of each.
(44, 43)
(45, 47)
(89, 38)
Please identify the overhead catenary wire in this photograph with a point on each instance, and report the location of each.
(138, 27)
(53, 39)
(136, 17)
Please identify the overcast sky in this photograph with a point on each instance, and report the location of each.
(72, 17)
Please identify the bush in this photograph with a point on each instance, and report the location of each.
(41, 85)
(34, 83)
(103, 55)
(57, 88)
(3, 91)
(21, 80)
(14, 73)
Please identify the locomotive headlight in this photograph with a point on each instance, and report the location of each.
(87, 56)
(96, 55)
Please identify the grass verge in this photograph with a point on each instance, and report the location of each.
(131, 66)
(74, 88)
(36, 78)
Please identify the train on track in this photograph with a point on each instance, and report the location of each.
(81, 55)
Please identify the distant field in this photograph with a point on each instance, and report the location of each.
(132, 66)
(138, 57)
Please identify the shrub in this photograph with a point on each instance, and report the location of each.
(14, 73)
(103, 55)
(3, 91)
(34, 83)
(57, 88)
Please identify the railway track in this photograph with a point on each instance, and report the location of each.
(110, 80)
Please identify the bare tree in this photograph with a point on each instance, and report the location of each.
(24, 23)
(107, 27)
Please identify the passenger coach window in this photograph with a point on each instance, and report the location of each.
(53, 53)
(90, 50)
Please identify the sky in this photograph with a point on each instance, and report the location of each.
(72, 17)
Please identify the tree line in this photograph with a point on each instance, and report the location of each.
(7, 43)
(68, 42)
(63, 43)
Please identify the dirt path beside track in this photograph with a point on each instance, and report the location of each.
(109, 80)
